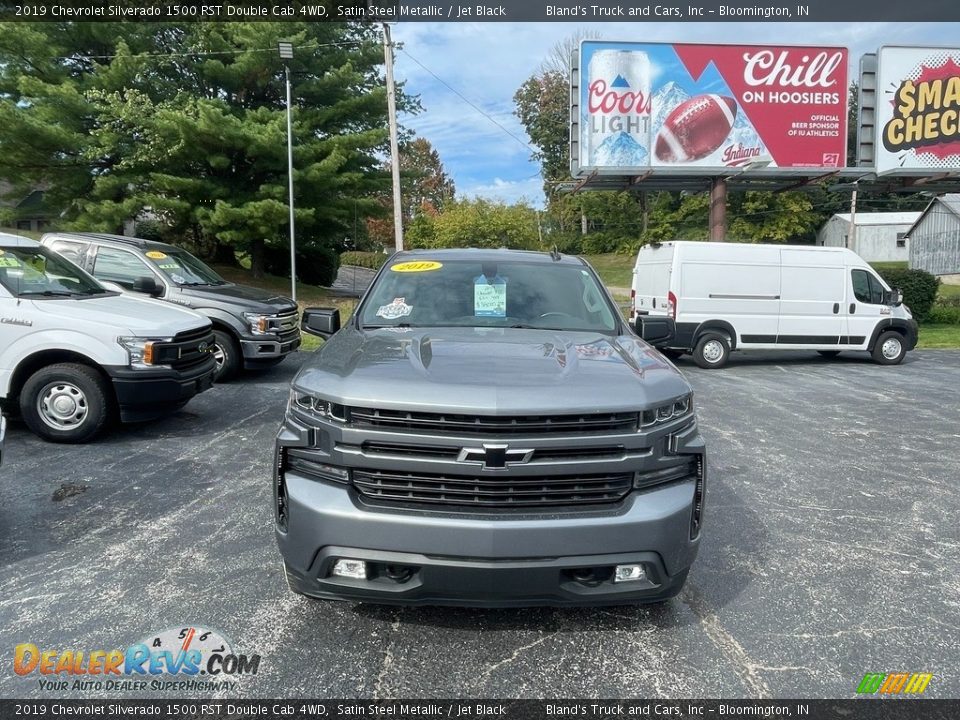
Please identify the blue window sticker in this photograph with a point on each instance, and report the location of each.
(489, 296)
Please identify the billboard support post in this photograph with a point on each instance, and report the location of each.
(718, 209)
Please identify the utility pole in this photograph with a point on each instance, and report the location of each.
(394, 144)
(852, 235)
(286, 53)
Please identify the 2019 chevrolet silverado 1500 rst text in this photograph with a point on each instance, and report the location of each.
(74, 351)
(486, 430)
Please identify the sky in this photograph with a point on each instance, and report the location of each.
(487, 62)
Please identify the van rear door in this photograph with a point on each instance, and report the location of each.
(651, 282)
(813, 293)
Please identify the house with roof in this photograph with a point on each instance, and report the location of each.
(880, 236)
(24, 212)
(935, 237)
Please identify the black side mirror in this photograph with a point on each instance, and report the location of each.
(655, 330)
(321, 321)
(895, 297)
(148, 286)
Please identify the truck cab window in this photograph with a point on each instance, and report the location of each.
(119, 266)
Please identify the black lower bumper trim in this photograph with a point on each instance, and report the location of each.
(148, 394)
(413, 579)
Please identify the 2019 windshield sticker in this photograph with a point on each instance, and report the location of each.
(156, 255)
(397, 309)
(419, 266)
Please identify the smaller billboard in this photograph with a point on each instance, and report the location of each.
(710, 107)
(918, 110)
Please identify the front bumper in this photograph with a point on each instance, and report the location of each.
(455, 556)
(148, 394)
(267, 350)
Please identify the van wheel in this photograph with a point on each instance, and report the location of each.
(712, 351)
(227, 354)
(65, 403)
(828, 353)
(889, 348)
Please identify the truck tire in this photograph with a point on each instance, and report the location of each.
(890, 348)
(227, 354)
(65, 403)
(712, 351)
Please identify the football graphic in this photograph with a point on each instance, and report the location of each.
(695, 128)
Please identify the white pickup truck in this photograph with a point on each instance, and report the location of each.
(74, 352)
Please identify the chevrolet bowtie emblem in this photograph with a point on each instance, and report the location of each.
(495, 457)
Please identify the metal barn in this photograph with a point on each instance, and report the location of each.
(880, 237)
(935, 237)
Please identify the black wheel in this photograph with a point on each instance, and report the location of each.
(227, 354)
(672, 354)
(712, 350)
(65, 403)
(828, 353)
(889, 348)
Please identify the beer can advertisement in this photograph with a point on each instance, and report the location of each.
(918, 110)
(711, 107)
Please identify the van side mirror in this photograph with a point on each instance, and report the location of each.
(895, 297)
(321, 321)
(148, 286)
(655, 330)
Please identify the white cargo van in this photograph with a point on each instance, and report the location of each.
(716, 297)
(73, 351)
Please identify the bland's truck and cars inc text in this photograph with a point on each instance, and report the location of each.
(411, 359)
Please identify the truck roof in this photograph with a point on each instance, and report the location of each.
(111, 238)
(10, 240)
(487, 255)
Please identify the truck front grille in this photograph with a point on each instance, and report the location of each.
(188, 349)
(506, 492)
(451, 424)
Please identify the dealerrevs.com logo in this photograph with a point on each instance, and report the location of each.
(894, 683)
(178, 659)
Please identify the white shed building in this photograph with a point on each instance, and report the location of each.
(880, 237)
(935, 237)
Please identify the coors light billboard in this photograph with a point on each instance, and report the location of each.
(711, 107)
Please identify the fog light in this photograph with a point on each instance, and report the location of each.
(627, 573)
(356, 569)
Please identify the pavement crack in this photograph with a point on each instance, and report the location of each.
(727, 644)
(516, 655)
(387, 655)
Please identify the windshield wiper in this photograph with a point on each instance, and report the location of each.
(381, 327)
(50, 293)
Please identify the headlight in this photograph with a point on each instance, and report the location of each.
(141, 351)
(668, 412)
(305, 402)
(259, 324)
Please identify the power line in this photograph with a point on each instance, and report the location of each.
(468, 102)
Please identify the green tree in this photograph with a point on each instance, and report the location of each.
(477, 223)
(189, 122)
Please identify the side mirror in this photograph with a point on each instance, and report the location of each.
(895, 297)
(655, 330)
(148, 286)
(321, 321)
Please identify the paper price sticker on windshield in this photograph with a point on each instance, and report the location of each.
(156, 255)
(397, 309)
(420, 266)
(9, 262)
(490, 300)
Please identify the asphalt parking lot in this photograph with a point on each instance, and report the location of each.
(832, 549)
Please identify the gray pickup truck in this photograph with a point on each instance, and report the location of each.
(487, 430)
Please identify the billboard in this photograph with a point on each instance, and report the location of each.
(918, 110)
(710, 108)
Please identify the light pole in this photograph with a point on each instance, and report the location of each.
(394, 145)
(286, 53)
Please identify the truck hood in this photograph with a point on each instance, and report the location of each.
(234, 297)
(490, 371)
(130, 315)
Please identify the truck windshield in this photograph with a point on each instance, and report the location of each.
(507, 294)
(183, 268)
(38, 272)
